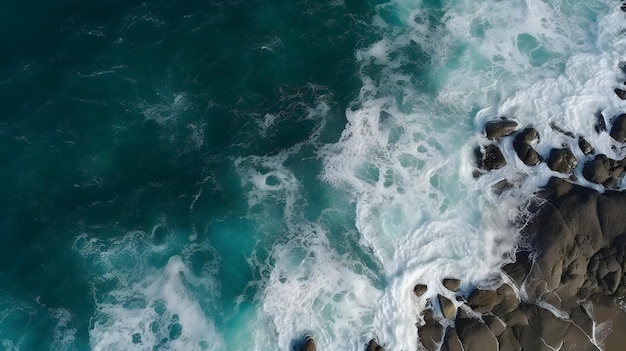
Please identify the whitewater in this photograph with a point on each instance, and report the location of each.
(327, 235)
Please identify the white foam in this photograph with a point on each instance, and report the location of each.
(140, 305)
(406, 151)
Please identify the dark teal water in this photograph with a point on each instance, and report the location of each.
(118, 115)
(235, 175)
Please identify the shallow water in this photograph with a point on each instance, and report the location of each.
(235, 175)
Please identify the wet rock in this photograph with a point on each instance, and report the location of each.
(475, 336)
(495, 324)
(507, 341)
(584, 146)
(618, 131)
(622, 64)
(620, 93)
(309, 344)
(602, 170)
(430, 334)
(373, 346)
(522, 147)
(483, 301)
(491, 158)
(452, 284)
(518, 270)
(508, 301)
(562, 160)
(600, 123)
(447, 307)
(499, 128)
(451, 341)
(561, 130)
(420, 289)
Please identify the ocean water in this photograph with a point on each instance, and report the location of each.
(234, 175)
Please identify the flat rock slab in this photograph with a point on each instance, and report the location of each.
(452, 284)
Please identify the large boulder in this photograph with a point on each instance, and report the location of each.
(500, 128)
(618, 130)
(562, 160)
(524, 150)
(491, 158)
(373, 346)
(452, 284)
(603, 170)
(448, 309)
(475, 335)
(420, 289)
(431, 332)
(309, 344)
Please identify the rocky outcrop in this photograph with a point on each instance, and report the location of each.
(562, 160)
(584, 146)
(373, 346)
(490, 158)
(420, 289)
(500, 128)
(603, 170)
(309, 344)
(618, 130)
(523, 148)
(452, 284)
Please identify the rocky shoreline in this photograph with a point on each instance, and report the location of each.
(565, 290)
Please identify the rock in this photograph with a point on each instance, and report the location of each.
(508, 302)
(601, 123)
(622, 64)
(431, 332)
(495, 324)
(522, 147)
(576, 340)
(518, 270)
(515, 318)
(309, 344)
(491, 158)
(508, 342)
(499, 128)
(561, 130)
(451, 341)
(420, 289)
(584, 146)
(483, 301)
(452, 284)
(447, 307)
(562, 160)
(475, 336)
(373, 346)
(618, 131)
(602, 170)
(620, 93)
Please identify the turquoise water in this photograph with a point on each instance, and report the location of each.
(230, 175)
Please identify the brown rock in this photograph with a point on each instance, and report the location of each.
(495, 324)
(509, 301)
(309, 344)
(431, 333)
(475, 336)
(491, 158)
(447, 307)
(499, 128)
(618, 131)
(522, 147)
(515, 318)
(483, 301)
(562, 160)
(507, 341)
(452, 284)
(420, 289)
(373, 346)
(451, 341)
(584, 146)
